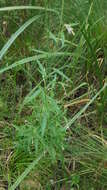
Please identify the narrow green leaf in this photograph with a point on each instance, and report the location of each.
(61, 74)
(26, 172)
(53, 37)
(34, 58)
(13, 8)
(41, 69)
(16, 34)
(77, 116)
(30, 97)
(44, 124)
(78, 87)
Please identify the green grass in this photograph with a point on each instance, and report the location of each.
(53, 95)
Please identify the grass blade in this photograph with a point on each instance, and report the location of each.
(26, 172)
(34, 58)
(85, 107)
(29, 98)
(13, 8)
(16, 34)
(61, 74)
